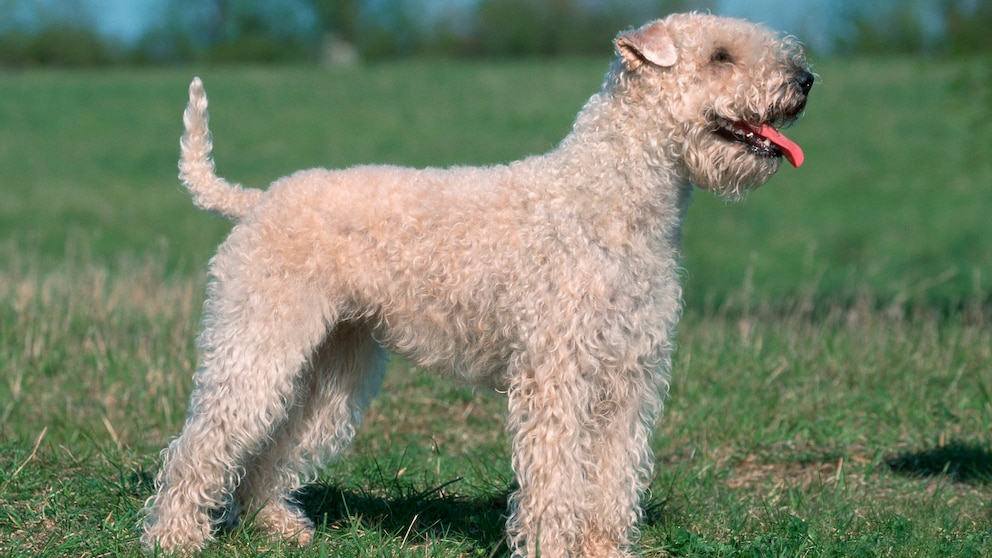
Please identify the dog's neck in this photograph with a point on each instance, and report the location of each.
(653, 192)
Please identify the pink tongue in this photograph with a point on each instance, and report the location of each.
(793, 153)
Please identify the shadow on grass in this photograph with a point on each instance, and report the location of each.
(965, 462)
(426, 514)
(410, 514)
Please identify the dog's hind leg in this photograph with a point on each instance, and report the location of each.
(258, 338)
(344, 375)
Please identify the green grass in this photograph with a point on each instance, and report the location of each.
(832, 392)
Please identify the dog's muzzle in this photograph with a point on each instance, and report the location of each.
(761, 136)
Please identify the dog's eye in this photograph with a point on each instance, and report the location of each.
(721, 55)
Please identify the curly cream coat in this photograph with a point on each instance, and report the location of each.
(554, 278)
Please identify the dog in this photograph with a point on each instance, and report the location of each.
(554, 279)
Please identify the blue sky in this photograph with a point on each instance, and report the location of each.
(124, 19)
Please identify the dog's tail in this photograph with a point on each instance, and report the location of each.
(196, 168)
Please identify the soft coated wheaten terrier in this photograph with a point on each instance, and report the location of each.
(554, 279)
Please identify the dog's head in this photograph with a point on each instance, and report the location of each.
(724, 88)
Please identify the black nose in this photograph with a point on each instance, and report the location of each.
(804, 80)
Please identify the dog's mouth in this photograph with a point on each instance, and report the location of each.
(763, 140)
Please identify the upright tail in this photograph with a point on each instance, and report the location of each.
(196, 168)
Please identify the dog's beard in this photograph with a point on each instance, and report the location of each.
(729, 169)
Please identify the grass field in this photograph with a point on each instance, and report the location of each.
(832, 391)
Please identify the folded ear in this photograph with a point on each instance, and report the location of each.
(649, 44)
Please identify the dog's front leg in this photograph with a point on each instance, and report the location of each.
(547, 508)
(581, 457)
(625, 406)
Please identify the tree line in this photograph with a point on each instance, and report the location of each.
(65, 32)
